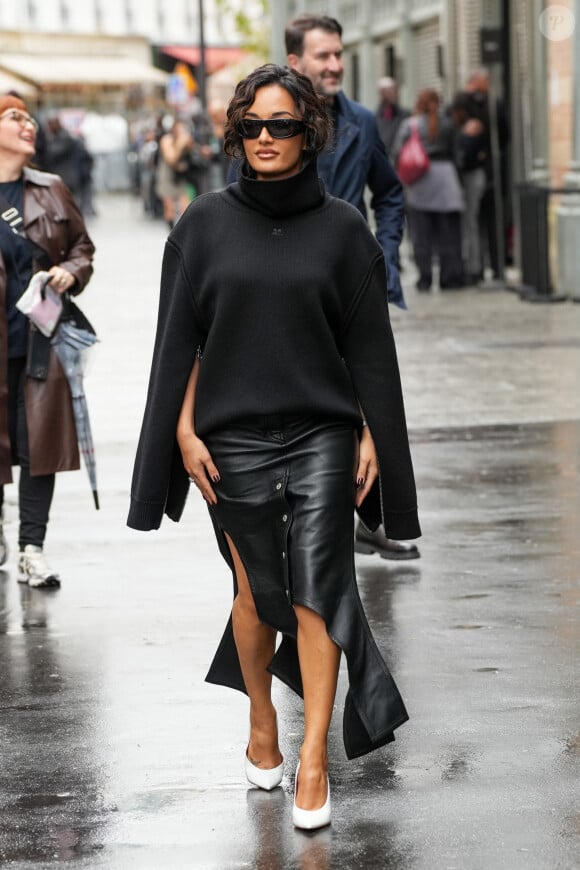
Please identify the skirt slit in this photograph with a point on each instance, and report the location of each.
(286, 500)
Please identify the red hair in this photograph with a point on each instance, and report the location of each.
(9, 101)
(428, 104)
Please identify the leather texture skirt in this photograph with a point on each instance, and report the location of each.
(286, 499)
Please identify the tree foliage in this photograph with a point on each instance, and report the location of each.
(252, 23)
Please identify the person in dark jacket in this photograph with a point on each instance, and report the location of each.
(389, 113)
(354, 160)
(40, 228)
(62, 155)
(477, 89)
(270, 358)
(472, 157)
(356, 157)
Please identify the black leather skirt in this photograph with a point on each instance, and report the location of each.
(286, 499)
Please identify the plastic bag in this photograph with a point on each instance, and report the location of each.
(41, 304)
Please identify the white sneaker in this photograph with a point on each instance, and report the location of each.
(3, 544)
(33, 568)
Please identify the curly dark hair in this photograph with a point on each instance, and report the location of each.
(310, 107)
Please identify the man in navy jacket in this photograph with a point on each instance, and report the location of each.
(356, 160)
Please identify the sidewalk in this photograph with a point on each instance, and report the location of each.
(116, 754)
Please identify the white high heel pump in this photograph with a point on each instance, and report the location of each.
(308, 820)
(265, 779)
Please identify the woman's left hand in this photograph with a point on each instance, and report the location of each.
(368, 466)
(61, 279)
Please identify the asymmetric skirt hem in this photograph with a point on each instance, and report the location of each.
(286, 501)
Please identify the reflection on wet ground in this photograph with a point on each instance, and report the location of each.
(115, 754)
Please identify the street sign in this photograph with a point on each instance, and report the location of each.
(176, 93)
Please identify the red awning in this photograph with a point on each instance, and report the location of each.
(215, 58)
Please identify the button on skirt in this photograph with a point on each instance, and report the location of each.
(286, 500)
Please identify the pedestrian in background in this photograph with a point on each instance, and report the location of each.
(147, 155)
(354, 160)
(41, 228)
(216, 111)
(389, 113)
(86, 166)
(174, 183)
(477, 88)
(292, 326)
(436, 199)
(472, 158)
(63, 156)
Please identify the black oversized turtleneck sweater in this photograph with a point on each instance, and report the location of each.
(281, 286)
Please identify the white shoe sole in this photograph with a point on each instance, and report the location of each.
(309, 820)
(52, 582)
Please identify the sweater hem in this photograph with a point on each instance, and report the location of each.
(144, 516)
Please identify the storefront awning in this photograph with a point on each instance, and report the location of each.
(13, 83)
(215, 57)
(48, 71)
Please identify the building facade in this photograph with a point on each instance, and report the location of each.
(159, 20)
(435, 43)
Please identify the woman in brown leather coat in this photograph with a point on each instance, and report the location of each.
(37, 429)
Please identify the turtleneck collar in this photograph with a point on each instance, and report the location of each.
(283, 198)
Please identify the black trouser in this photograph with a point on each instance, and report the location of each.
(34, 493)
(438, 232)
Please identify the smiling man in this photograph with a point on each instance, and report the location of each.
(356, 160)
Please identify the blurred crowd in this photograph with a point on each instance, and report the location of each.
(175, 158)
(65, 154)
(165, 159)
(453, 208)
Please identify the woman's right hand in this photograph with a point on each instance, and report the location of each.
(199, 465)
(368, 466)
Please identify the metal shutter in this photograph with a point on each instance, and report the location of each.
(425, 40)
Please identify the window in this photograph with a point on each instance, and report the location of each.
(64, 14)
(129, 17)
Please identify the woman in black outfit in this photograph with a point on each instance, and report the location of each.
(273, 349)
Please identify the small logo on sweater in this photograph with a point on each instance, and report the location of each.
(277, 231)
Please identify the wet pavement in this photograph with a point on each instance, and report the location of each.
(115, 753)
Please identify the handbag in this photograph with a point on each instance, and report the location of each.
(413, 160)
(41, 304)
(189, 167)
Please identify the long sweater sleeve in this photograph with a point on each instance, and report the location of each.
(280, 285)
(158, 470)
(370, 355)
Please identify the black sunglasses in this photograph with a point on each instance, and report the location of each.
(278, 128)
